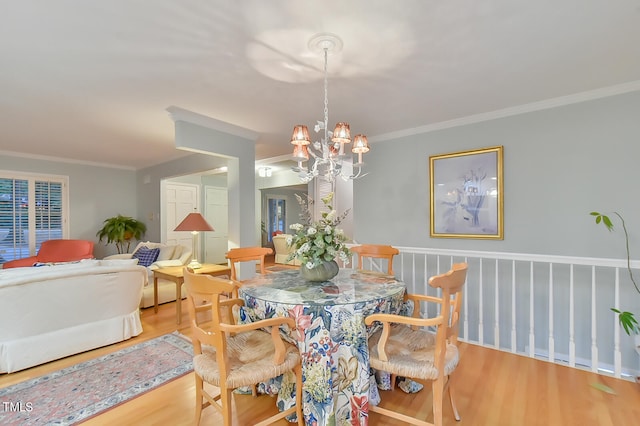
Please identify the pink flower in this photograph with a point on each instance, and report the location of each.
(359, 405)
(303, 322)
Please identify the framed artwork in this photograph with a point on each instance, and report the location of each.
(466, 194)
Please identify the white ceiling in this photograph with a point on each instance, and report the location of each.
(91, 80)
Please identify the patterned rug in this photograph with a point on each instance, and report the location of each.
(71, 395)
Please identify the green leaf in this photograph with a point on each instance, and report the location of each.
(627, 321)
(604, 219)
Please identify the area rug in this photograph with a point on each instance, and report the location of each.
(71, 395)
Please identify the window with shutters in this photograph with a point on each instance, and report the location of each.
(33, 209)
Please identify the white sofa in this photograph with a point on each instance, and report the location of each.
(282, 250)
(51, 312)
(170, 255)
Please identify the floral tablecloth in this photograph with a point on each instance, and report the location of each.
(330, 335)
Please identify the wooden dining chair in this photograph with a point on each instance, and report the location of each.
(453, 328)
(406, 348)
(230, 356)
(376, 251)
(247, 254)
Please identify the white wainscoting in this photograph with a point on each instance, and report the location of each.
(553, 308)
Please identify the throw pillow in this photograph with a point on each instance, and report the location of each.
(146, 256)
(166, 252)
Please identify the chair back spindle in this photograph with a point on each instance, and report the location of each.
(247, 254)
(376, 251)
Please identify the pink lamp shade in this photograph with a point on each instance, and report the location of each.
(300, 153)
(300, 135)
(360, 144)
(342, 133)
(194, 222)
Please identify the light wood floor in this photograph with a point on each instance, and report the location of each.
(493, 388)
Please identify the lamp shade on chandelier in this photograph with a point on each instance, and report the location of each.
(329, 153)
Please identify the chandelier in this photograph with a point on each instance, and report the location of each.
(328, 153)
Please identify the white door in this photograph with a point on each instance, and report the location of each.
(216, 211)
(180, 199)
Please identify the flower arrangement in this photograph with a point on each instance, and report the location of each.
(320, 241)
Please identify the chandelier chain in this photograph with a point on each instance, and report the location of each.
(326, 97)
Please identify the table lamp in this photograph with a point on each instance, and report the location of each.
(194, 222)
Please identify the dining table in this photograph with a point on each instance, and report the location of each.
(330, 334)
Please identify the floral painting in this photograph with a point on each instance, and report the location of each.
(467, 194)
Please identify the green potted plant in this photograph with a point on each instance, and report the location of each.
(121, 230)
(627, 320)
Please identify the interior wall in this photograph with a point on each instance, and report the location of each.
(95, 194)
(239, 150)
(559, 165)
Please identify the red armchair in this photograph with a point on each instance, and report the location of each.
(56, 251)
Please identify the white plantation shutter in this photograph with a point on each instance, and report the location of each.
(48, 211)
(322, 189)
(32, 210)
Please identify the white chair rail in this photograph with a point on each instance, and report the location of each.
(553, 308)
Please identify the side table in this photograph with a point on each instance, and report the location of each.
(176, 274)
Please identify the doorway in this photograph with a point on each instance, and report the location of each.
(276, 216)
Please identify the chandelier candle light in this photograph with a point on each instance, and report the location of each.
(328, 154)
(194, 222)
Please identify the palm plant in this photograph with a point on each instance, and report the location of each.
(121, 230)
(627, 319)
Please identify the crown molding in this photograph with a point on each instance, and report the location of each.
(65, 160)
(521, 109)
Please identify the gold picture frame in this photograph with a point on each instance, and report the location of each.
(467, 194)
